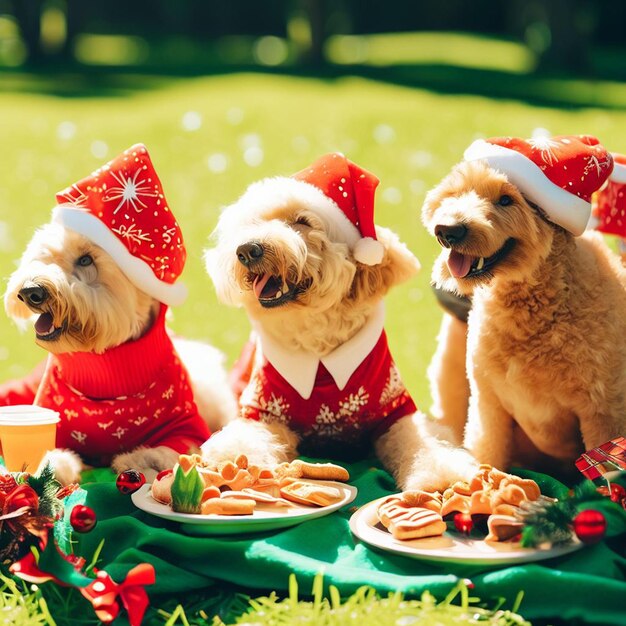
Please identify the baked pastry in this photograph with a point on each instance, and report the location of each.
(314, 471)
(406, 522)
(228, 506)
(161, 488)
(313, 494)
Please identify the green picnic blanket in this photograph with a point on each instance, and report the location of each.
(587, 585)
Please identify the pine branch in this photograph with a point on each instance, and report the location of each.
(46, 486)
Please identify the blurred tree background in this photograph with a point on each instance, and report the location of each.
(573, 36)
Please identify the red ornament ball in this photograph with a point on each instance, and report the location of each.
(590, 526)
(83, 518)
(463, 523)
(618, 493)
(130, 481)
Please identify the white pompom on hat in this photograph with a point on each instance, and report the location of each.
(350, 190)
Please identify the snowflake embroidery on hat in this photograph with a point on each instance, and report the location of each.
(74, 195)
(138, 421)
(393, 387)
(105, 425)
(168, 393)
(130, 191)
(593, 163)
(132, 233)
(546, 146)
(168, 233)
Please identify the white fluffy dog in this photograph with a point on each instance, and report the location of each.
(303, 257)
(98, 297)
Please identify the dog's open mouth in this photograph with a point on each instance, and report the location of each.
(45, 328)
(468, 266)
(272, 290)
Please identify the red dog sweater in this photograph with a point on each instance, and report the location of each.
(351, 395)
(135, 394)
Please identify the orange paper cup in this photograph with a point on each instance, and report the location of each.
(27, 432)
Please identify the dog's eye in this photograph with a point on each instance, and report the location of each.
(505, 200)
(84, 261)
(303, 222)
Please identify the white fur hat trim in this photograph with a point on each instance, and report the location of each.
(561, 206)
(137, 271)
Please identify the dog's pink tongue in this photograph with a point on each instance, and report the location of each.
(43, 324)
(459, 264)
(259, 283)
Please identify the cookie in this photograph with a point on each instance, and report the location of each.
(228, 506)
(456, 503)
(313, 471)
(423, 499)
(309, 493)
(257, 496)
(161, 488)
(408, 522)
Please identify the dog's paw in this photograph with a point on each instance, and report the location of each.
(67, 465)
(438, 467)
(264, 445)
(148, 461)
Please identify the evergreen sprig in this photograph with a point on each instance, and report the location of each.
(550, 521)
(46, 487)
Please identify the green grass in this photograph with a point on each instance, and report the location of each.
(364, 607)
(408, 137)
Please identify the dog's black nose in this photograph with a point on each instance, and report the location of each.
(33, 294)
(249, 253)
(448, 236)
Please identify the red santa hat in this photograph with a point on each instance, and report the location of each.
(557, 173)
(609, 203)
(349, 202)
(121, 208)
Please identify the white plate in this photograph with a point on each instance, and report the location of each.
(265, 517)
(450, 547)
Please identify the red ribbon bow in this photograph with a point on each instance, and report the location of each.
(103, 593)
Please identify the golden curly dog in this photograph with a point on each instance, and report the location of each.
(323, 381)
(546, 346)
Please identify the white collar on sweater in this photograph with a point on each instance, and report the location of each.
(299, 368)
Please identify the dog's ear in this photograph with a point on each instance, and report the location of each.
(398, 265)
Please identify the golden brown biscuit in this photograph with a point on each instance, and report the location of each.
(161, 488)
(407, 522)
(228, 506)
(309, 493)
(457, 503)
(422, 499)
(313, 471)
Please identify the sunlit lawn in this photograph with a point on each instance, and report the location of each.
(211, 137)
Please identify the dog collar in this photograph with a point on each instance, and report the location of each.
(299, 368)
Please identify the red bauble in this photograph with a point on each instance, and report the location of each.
(83, 518)
(130, 481)
(590, 526)
(618, 493)
(463, 523)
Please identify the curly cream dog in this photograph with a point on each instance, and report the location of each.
(546, 347)
(312, 283)
(113, 373)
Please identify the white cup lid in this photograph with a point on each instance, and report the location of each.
(27, 415)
